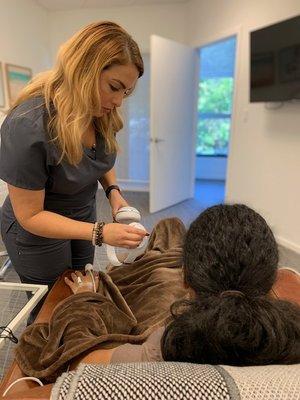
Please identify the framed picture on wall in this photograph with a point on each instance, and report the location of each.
(17, 78)
(2, 93)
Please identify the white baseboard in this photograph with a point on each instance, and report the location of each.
(288, 244)
(134, 186)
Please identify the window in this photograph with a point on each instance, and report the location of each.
(216, 79)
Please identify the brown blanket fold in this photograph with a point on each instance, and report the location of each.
(131, 302)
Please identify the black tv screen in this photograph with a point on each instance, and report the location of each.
(275, 62)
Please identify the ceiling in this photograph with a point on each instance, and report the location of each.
(68, 5)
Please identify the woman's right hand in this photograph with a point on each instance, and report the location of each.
(122, 235)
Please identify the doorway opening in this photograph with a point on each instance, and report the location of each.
(214, 108)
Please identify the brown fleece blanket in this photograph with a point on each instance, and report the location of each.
(131, 302)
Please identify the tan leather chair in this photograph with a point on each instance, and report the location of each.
(286, 287)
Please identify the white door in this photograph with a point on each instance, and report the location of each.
(172, 116)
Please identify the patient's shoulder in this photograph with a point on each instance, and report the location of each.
(150, 350)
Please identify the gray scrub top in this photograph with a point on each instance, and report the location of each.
(29, 160)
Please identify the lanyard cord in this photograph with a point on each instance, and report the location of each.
(6, 333)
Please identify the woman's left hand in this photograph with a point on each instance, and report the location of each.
(116, 201)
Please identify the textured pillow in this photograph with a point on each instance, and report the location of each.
(174, 381)
(157, 380)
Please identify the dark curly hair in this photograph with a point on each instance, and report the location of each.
(230, 261)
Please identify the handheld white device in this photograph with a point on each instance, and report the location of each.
(126, 215)
(130, 216)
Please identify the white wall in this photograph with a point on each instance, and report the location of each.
(24, 33)
(264, 160)
(140, 21)
(212, 168)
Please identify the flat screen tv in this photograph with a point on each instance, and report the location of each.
(275, 62)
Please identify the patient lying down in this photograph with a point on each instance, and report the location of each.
(216, 279)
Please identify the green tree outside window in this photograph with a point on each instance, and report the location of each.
(214, 116)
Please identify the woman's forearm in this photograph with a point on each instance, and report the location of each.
(52, 225)
(28, 208)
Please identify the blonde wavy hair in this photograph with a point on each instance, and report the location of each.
(72, 86)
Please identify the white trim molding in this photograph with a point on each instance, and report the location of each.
(134, 185)
(288, 244)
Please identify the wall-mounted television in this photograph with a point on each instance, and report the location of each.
(275, 62)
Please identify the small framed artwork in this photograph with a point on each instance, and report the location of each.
(2, 93)
(17, 78)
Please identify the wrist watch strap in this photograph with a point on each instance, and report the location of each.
(110, 188)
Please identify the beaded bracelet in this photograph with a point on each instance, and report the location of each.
(97, 235)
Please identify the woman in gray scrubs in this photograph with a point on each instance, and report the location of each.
(57, 142)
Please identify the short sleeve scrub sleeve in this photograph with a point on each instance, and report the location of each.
(23, 157)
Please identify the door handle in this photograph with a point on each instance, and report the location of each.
(156, 140)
